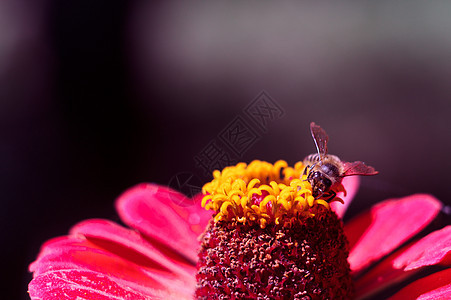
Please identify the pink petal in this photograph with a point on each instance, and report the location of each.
(351, 185)
(156, 211)
(430, 250)
(379, 277)
(392, 222)
(71, 255)
(74, 253)
(435, 286)
(85, 284)
(355, 228)
(198, 217)
(72, 284)
(130, 245)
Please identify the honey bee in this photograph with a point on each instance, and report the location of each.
(326, 171)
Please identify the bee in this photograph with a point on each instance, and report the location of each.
(326, 171)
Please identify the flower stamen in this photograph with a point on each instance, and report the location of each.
(260, 192)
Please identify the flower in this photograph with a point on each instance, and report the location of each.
(100, 259)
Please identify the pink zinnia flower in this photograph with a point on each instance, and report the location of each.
(158, 257)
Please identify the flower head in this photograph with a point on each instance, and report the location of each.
(158, 258)
(270, 238)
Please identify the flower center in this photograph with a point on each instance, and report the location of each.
(261, 192)
(270, 238)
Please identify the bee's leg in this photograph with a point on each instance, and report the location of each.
(331, 195)
(310, 168)
(307, 168)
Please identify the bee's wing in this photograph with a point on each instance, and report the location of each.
(357, 168)
(320, 137)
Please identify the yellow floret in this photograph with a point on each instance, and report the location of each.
(287, 191)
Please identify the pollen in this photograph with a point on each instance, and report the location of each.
(262, 193)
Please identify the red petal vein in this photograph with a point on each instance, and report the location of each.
(84, 284)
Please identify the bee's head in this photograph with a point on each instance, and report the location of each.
(320, 183)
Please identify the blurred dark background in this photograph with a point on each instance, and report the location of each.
(97, 96)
